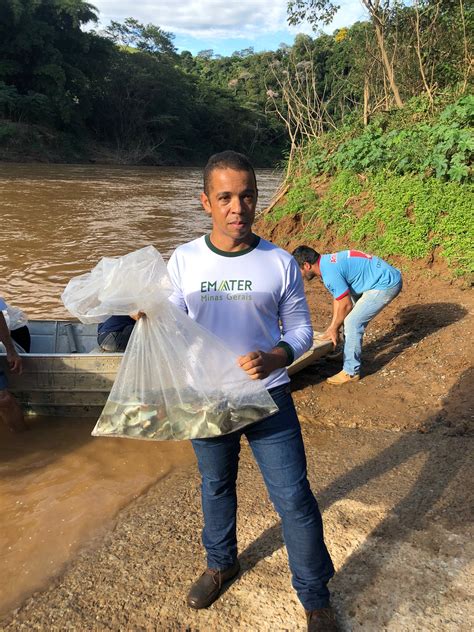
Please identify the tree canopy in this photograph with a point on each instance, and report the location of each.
(127, 89)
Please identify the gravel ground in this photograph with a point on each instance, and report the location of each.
(396, 514)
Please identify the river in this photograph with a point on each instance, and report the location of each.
(59, 487)
(57, 221)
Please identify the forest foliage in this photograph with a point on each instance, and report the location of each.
(401, 186)
(381, 146)
(125, 88)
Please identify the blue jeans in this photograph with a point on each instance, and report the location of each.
(115, 341)
(367, 306)
(277, 446)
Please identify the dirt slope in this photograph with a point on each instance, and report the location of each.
(417, 352)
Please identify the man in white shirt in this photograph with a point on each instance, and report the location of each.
(10, 411)
(250, 294)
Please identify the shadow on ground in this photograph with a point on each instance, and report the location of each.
(411, 325)
(444, 457)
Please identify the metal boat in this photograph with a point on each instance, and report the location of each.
(67, 374)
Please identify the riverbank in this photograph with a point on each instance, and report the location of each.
(388, 458)
(396, 522)
(27, 143)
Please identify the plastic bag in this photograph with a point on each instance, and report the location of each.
(119, 286)
(176, 380)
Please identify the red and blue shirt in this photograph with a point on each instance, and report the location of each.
(354, 272)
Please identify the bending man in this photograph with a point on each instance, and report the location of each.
(114, 333)
(361, 285)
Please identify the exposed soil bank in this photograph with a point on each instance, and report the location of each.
(417, 362)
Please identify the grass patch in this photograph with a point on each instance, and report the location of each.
(400, 186)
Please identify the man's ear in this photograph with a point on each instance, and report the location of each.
(205, 203)
(306, 266)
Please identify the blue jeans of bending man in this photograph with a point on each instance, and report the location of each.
(367, 306)
(277, 446)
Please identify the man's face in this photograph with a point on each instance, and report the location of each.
(308, 271)
(231, 203)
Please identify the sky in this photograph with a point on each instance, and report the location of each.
(221, 25)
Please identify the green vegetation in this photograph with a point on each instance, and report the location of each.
(125, 94)
(381, 142)
(443, 148)
(400, 186)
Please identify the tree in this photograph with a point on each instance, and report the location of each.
(206, 54)
(143, 109)
(146, 38)
(49, 60)
(299, 94)
(322, 11)
(313, 11)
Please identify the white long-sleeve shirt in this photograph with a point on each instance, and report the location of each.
(252, 299)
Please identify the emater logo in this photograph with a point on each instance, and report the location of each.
(227, 285)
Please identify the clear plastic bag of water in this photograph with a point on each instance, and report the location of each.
(176, 380)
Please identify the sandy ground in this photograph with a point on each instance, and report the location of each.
(389, 461)
(397, 525)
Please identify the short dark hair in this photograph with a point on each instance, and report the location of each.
(227, 160)
(305, 254)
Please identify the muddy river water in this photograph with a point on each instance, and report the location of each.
(59, 486)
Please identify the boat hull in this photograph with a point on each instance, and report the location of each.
(67, 375)
(71, 386)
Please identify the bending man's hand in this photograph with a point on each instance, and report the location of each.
(259, 364)
(330, 334)
(340, 309)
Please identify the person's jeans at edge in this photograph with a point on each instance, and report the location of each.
(115, 341)
(367, 306)
(277, 446)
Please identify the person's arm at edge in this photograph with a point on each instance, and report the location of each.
(13, 359)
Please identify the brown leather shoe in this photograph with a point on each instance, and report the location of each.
(321, 620)
(208, 587)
